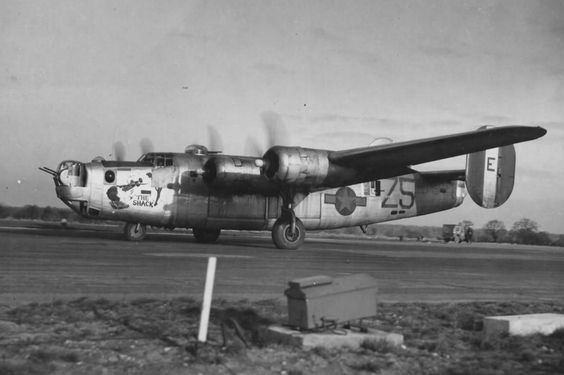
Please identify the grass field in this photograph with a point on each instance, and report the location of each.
(149, 336)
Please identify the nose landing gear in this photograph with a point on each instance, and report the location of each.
(134, 231)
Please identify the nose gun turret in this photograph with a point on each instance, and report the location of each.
(70, 182)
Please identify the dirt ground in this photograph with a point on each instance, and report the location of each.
(150, 336)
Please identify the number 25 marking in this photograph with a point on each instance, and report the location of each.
(406, 189)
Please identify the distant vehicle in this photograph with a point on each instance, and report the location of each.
(457, 233)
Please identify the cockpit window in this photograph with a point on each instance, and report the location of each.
(158, 159)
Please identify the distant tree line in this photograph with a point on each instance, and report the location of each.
(523, 231)
(33, 212)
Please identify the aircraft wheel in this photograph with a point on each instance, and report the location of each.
(282, 237)
(206, 235)
(134, 231)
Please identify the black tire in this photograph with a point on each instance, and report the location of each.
(134, 231)
(281, 234)
(206, 235)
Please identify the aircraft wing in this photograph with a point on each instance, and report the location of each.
(403, 154)
(284, 168)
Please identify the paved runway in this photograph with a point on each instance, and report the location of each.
(39, 264)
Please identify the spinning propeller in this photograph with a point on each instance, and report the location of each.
(276, 134)
(119, 151)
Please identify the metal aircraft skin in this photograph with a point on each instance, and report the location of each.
(291, 189)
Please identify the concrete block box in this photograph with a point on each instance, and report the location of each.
(522, 325)
(321, 301)
(347, 338)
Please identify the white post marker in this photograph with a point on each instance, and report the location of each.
(206, 304)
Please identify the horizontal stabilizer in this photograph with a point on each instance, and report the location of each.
(451, 175)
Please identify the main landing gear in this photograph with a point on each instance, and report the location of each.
(288, 231)
(134, 231)
(206, 235)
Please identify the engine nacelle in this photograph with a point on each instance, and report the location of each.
(296, 165)
(490, 176)
(239, 174)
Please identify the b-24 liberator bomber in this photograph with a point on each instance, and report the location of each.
(291, 189)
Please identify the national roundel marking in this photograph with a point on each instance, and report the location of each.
(345, 201)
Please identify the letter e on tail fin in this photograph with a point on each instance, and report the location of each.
(490, 176)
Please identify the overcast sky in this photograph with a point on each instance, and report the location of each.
(76, 76)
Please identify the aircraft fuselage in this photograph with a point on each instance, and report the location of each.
(169, 191)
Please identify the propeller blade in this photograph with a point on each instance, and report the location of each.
(146, 146)
(276, 131)
(215, 143)
(119, 151)
(252, 148)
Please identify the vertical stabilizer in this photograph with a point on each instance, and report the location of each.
(490, 176)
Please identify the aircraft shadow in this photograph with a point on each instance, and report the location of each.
(117, 235)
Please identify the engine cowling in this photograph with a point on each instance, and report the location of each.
(296, 165)
(239, 174)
